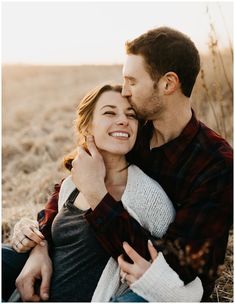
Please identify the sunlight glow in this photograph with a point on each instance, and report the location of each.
(95, 32)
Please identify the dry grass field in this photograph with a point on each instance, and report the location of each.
(37, 116)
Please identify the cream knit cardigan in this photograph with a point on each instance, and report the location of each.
(146, 201)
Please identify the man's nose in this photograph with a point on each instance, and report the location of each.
(126, 92)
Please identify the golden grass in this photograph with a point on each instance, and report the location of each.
(38, 113)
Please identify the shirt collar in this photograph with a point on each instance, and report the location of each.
(174, 148)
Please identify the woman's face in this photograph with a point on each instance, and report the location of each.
(114, 124)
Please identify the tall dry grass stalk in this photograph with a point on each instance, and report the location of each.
(216, 78)
(215, 92)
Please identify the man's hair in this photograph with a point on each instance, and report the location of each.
(167, 50)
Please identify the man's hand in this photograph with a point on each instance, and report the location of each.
(37, 267)
(88, 173)
(132, 272)
(26, 235)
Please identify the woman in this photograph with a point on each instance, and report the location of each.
(78, 259)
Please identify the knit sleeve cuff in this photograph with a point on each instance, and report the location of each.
(160, 283)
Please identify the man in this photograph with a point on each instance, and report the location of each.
(192, 163)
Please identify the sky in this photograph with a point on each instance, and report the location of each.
(83, 32)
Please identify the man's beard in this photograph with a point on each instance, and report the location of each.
(153, 108)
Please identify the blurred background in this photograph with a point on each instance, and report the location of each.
(47, 32)
(54, 52)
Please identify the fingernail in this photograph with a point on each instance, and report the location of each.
(42, 243)
(125, 243)
(90, 138)
(150, 242)
(46, 296)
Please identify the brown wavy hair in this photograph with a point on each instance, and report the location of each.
(167, 50)
(84, 116)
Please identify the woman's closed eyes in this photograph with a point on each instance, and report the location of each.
(112, 113)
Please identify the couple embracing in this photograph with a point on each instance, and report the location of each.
(146, 210)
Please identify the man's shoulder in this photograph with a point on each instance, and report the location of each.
(213, 144)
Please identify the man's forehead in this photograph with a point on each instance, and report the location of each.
(133, 65)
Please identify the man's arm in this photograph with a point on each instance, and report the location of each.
(46, 216)
(108, 212)
(195, 243)
(113, 225)
(37, 269)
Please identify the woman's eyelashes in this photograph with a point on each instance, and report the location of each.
(109, 113)
(129, 115)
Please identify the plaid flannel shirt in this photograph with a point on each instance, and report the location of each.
(196, 171)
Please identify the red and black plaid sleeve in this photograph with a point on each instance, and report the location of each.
(46, 216)
(113, 225)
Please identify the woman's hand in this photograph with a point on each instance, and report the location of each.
(26, 235)
(132, 272)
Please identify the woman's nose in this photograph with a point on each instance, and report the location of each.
(122, 120)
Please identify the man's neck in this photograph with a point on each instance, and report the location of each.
(170, 125)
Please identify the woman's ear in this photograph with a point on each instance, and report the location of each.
(171, 83)
(86, 132)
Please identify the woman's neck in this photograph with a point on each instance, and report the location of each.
(116, 169)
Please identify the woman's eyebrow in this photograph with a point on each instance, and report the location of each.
(114, 107)
(130, 109)
(110, 106)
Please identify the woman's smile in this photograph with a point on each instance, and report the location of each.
(120, 135)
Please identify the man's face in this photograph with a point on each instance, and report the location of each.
(142, 92)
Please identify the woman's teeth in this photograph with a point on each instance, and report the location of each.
(119, 134)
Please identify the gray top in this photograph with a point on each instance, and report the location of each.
(78, 259)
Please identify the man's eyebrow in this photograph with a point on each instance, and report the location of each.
(129, 78)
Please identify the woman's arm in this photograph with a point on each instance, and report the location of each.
(26, 235)
(156, 281)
